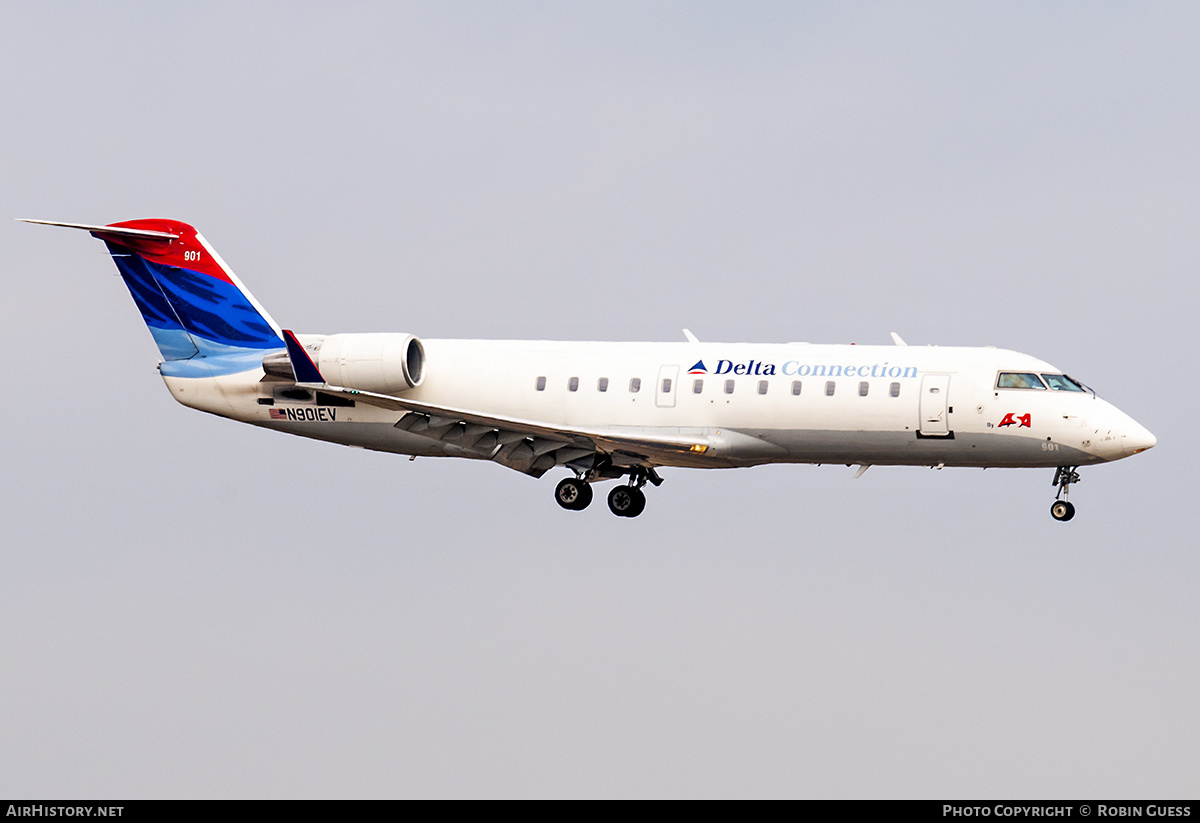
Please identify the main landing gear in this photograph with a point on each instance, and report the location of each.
(1061, 508)
(627, 501)
(575, 493)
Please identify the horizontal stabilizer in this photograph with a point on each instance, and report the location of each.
(112, 231)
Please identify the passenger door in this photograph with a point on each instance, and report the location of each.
(935, 405)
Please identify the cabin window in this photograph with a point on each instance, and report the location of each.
(602, 384)
(762, 386)
(829, 388)
(1018, 380)
(729, 387)
(573, 384)
(666, 385)
(697, 386)
(863, 388)
(541, 384)
(895, 390)
(635, 385)
(1060, 382)
(796, 384)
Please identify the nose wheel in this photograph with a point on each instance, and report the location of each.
(1062, 509)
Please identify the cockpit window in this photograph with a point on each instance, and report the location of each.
(1018, 380)
(1060, 382)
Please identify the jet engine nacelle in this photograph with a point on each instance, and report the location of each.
(383, 363)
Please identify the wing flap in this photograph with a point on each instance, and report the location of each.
(528, 446)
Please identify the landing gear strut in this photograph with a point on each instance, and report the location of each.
(575, 493)
(1061, 508)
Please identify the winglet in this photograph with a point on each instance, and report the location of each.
(303, 367)
(691, 338)
(897, 340)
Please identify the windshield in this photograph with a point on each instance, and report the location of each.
(1018, 380)
(1060, 382)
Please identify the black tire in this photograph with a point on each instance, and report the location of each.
(573, 495)
(639, 503)
(1062, 510)
(626, 501)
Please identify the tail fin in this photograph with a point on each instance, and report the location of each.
(203, 319)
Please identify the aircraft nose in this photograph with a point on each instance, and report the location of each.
(1137, 438)
(1117, 435)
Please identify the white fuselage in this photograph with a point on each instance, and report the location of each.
(603, 410)
(750, 403)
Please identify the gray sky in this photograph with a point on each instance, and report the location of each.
(189, 607)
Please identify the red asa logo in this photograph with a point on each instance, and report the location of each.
(1024, 420)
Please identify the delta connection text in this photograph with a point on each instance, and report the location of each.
(794, 368)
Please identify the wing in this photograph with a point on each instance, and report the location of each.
(530, 446)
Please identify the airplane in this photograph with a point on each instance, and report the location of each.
(605, 411)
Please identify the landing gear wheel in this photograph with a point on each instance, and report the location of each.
(573, 495)
(626, 501)
(639, 503)
(1062, 510)
(1064, 476)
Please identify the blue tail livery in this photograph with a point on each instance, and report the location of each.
(202, 318)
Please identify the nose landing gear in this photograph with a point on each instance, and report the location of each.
(1062, 509)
